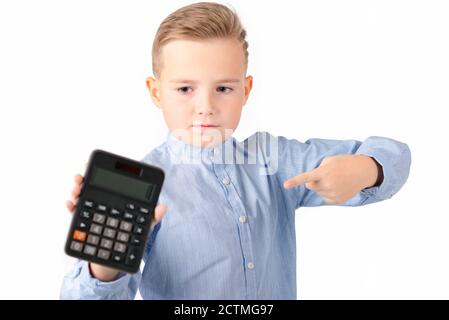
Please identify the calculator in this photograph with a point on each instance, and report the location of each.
(114, 211)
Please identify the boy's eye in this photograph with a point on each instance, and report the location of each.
(224, 89)
(184, 89)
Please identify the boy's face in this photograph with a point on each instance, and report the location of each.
(201, 89)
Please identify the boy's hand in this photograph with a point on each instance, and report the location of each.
(339, 178)
(100, 272)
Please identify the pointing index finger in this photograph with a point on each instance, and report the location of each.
(302, 178)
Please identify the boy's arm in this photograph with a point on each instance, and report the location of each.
(350, 166)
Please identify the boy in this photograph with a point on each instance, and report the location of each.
(228, 231)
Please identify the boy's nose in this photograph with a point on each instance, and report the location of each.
(205, 105)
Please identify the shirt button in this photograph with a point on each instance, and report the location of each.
(226, 181)
(242, 219)
(250, 265)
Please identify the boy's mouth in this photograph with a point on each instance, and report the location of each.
(204, 126)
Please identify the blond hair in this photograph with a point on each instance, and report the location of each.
(198, 21)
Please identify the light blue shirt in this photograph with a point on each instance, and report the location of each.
(229, 231)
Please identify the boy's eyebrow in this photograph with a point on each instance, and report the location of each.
(194, 81)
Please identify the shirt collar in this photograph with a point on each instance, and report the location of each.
(188, 153)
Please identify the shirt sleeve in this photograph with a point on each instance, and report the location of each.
(80, 285)
(295, 157)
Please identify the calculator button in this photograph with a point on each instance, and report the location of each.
(126, 226)
(131, 259)
(106, 243)
(112, 222)
(141, 219)
(130, 206)
(138, 230)
(136, 241)
(76, 246)
(128, 216)
(99, 218)
(115, 212)
(82, 225)
(101, 207)
(88, 204)
(117, 258)
(79, 235)
(95, 228)
(119, 247)
(110, 233)
(90, 250)
(144, 210)
(85, 214)
(123, 237)
(103, 254)
(93, 239)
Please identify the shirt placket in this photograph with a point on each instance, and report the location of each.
(240, 216)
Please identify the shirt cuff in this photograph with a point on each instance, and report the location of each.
(99, 286)
(379, 192)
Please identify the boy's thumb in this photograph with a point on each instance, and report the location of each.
(159, 212)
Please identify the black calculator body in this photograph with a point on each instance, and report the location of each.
(114, 211)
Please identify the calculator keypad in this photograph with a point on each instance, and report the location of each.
(109, 234)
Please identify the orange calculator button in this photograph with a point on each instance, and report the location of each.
(79, 235)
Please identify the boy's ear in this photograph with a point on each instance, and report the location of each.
(248, 87)
(153, 87)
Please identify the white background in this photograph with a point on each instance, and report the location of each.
(72, 79)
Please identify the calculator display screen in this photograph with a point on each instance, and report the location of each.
(122, 184)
